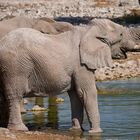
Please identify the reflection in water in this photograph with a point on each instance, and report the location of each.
(39, 101)
(39, 117)
(120, 114)
(120, 86)
(52, 113)
(42, 119)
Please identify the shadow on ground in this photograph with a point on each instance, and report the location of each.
(125, 20)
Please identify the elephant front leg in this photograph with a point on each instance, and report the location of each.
(14, 89)
(15, 121)
(22, 108)
(91, 107)
(85, 84)
(76, 111)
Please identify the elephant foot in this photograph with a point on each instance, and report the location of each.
(95, 130)
(76, 125)
(20, 127)
(75, 128)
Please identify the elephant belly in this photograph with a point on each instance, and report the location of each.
(51, 73)
(51, 82)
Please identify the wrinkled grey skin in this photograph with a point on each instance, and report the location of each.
(36, 64)
(39, 24)
(128, 38)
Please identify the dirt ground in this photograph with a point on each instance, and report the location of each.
(36, 136)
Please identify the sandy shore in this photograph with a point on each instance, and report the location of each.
(5, 134)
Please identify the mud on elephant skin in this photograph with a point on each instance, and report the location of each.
(30, 65)
(121, 39)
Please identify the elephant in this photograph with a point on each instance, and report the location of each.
(35, 64)
(41, 25)
(44, 25)
(19, 22)
(130, 37)
(59, 26)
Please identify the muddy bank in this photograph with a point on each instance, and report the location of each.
(5, 134)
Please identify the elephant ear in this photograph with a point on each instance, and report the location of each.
(94, 53)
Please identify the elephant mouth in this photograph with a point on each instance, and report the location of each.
(109, 42)
(115, 42)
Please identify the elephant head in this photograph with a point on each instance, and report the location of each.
(107, 31)
(62, 26)
(59, 26)
(130, 42)
(131, 38)
(44, 27)
(119, 38)
(49, 20)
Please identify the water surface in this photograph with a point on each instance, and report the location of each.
(119, 110)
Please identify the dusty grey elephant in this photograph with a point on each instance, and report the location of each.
(129, 41)
(59, 26)
(30, 63)
(36, 64)
(44, 25)
(39, 24)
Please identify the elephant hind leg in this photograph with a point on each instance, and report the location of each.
(77, 111)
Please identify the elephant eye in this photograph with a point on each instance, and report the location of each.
(121, 34)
